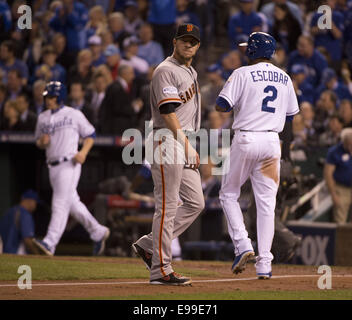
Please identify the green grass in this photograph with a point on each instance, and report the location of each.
(46, 268)
(244, 295)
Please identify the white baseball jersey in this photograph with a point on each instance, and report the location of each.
(65, 126)
(262, 95)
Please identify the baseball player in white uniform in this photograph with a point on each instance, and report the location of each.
(263, 98)
(58, 131)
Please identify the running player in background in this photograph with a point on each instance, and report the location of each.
(58, 131)
(263, 98)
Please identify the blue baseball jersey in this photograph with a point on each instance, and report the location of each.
(16, 225)
(162, 11)
(342, 160)
(326, 39)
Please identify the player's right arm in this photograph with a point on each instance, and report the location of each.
(42, 140)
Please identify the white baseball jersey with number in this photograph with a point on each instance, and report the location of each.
(262, 95)
(65, 126)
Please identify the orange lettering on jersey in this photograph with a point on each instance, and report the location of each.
(188, 96)
(189, 28)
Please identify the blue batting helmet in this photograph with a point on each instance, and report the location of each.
(259, 45)
(55, 89)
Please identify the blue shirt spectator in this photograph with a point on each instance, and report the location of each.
(304, 90)
(5, 17)
(162, 11)
(148, 49)
(340, 157)
(184, 15)
(245, 22)
(70, 20)
(17, 225)
(330, 81)
(9, 62)
(329, 39)
(312, 59)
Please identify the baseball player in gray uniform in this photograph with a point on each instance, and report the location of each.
(58, 131)
(175, 103)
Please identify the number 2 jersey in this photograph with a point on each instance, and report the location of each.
(261, 95)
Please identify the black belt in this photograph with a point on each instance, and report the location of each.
(257, 130)
(56, 162)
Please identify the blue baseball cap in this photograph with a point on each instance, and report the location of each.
(30, 194)
(111, 50)
(215, 67)
(327, 75)
(297, 69)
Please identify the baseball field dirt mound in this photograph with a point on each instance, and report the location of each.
(127, 278)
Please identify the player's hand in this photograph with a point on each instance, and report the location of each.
(192, 157)
(44, 140)
(80, 157)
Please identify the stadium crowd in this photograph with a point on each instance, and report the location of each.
(105, 52)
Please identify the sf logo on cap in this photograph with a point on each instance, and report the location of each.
(189, 28)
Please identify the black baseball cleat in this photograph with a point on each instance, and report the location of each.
(172, 279)
(146, 257)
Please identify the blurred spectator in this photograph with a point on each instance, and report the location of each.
(333, 133)
(116, 25)
(210, 91)
(280, 57)
(130, 49)
(286, 29)
(331, 39)
(299, 132)
(329, 81)
(132, 21)
(230, 61)
(63, 58)
(308, 56)
(184, 14)
(345, 112)
(9, 62)
(83, 70)
(162, 17)
(346, 76)
(269, 10)
(28, 119)
(113, 59)
(120, 107)
(11, 121)
(37, 104)
(96, 95)
(3, 97)
(210, 183)
(17, 226)
(97, 22)
(70, 19)
(148, 49)
(49, 70)
(104, 70)
(244, 22)
(77, 100)
(338, 176)
(303, 88)
(95, 46)
(5, 20)
(325, 107)
(107, 39)
(15, 84)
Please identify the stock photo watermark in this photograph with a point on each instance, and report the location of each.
(25, 280)
(325, 281)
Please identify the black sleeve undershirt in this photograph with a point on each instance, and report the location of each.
(168, 108)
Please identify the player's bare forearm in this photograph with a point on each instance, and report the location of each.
(81, 156)
(174, 126)
(43, 141)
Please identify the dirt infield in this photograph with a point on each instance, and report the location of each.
(285, 278)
